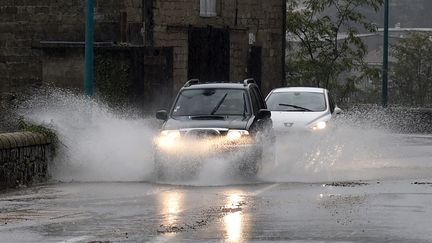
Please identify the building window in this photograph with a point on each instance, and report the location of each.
(208, 8)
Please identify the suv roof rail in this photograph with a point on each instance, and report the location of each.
(248, 81)
(191, 82)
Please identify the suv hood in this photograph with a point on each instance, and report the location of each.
(239, 123)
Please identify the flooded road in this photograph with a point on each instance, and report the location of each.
(384, 208)
(371, 211)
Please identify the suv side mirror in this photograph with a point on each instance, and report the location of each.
(162, 115)
(337, 110)
(263, 114)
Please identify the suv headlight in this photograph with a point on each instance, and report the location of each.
(236, 135)
(167, 138)
(319, 126)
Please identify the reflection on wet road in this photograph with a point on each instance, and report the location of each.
(372, 211)
(172, 205)
(234, 219)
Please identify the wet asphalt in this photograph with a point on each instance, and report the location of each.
(367, 211)
(395, 209)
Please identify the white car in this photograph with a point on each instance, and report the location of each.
(301, 109)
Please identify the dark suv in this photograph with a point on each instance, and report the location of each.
(227, 121)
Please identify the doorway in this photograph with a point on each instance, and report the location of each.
(209, 54)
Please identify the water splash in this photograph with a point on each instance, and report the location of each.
(363, 145)
(98, 143)
(102, 144)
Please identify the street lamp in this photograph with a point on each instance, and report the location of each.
(385, 56)
(88, 62)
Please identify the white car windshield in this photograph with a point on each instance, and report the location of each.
(211, 102)
(296, 101)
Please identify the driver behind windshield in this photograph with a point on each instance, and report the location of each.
(218, 102)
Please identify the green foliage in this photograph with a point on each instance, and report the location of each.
(326, 50)
(412, 74)
(44, 130)
(112, 78)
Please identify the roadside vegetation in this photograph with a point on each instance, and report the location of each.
(411, 75)
(24, 126)
(325, 49)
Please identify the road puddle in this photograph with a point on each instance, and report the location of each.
(346, 184)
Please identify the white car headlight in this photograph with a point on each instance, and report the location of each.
(235, 135)
(167, 138)
(319, 125)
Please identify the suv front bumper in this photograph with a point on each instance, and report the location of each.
(197, 150)
(186, 159)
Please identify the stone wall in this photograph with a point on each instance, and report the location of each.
(24, 24)
(63, 67)
(262, 18)
(24, 158)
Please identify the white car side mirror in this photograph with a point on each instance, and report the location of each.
(337, 111)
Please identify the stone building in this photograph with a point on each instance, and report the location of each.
(41, 42)
(223, 39)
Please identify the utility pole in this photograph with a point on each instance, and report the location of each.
(88, 62)
(284, 28)
(385, 56)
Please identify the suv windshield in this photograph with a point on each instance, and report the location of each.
(211, 102)
(296, 101)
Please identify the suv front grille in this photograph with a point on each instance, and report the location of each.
(204, 133)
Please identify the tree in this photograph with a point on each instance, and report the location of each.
(412, 73)
(326, 46)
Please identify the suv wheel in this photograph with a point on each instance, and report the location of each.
(158, 167)
(252, 165)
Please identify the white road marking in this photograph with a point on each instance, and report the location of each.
(76, 239)
(257, 192)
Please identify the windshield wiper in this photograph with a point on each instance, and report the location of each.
(219, 104)
(207, 117)
(297, 107)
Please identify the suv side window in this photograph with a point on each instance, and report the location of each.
(261, 102)
(255, 102)
(331, 103)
